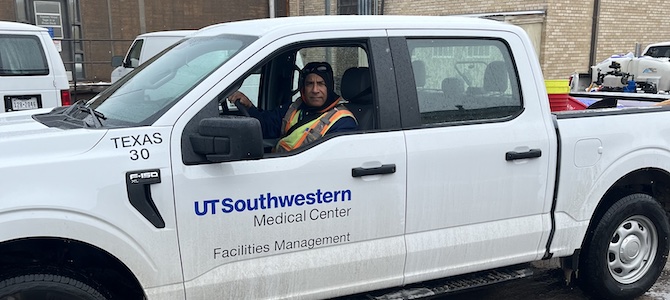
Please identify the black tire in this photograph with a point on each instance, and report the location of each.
(625, 253)
(46, 284)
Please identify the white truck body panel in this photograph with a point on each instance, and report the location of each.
(83, 208)
(598, 159)
(366, 217)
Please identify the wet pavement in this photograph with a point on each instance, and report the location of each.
(549, 284)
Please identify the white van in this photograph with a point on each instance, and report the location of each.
(32, 74)
(144, 47)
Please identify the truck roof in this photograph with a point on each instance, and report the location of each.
(260, 27)
(658, 44)
(5, 25)
(167, 33)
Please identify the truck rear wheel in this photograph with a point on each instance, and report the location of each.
(47, 285)
(627, 250)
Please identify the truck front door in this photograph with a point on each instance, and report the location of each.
(306, 223)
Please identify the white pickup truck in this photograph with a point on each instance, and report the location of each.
(458, 171)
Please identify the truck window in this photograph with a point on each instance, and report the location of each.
(22, 55)
(133, 59)
(464, 80)
(658, 51)
(277, 86)
(340, 58)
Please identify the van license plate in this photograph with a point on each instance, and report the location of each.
(24, 103)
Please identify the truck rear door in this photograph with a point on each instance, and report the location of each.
(478, 150)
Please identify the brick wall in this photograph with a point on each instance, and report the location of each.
(8, 11)
(566, 37)
(159, 15)
(95, 26)
(623, 23)
(109, 30)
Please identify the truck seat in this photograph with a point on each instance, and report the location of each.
(496, 77)
(452, 87)
(357, 89)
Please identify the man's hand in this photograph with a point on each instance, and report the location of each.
(244, 100)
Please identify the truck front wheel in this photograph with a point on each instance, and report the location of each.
(47, 285)
(626, 252)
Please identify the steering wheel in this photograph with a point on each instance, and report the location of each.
(241, 108)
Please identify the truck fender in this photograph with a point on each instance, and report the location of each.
(578, 205)
(54, 223)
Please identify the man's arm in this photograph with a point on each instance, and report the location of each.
(270, 120)
(343, 125)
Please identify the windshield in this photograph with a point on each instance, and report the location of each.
(144, 95)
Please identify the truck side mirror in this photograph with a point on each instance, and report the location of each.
(228, 138)
(117, 61)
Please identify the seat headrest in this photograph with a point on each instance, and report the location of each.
(356, 85)
(496, 77)
(419, 68)
(453, 86)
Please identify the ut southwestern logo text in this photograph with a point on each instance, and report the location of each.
(269, 201)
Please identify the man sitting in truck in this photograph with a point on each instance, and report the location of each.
(309, 118)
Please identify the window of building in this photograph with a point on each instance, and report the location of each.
(347, 7)
(464, 80)
(358, 7)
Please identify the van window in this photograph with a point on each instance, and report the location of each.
(134, 54)
(22, 55)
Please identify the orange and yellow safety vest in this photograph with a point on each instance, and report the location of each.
(310, 131)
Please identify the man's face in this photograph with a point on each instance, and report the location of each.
(316, 91)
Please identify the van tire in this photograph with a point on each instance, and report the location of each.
(625, 253)
(48, 284)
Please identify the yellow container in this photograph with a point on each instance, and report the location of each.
(557, 86)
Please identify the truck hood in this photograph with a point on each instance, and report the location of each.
(22, 136)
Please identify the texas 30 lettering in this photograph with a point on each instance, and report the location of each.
(270, 201)
(137, 140)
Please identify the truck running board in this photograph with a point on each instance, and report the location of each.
(450, 285)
